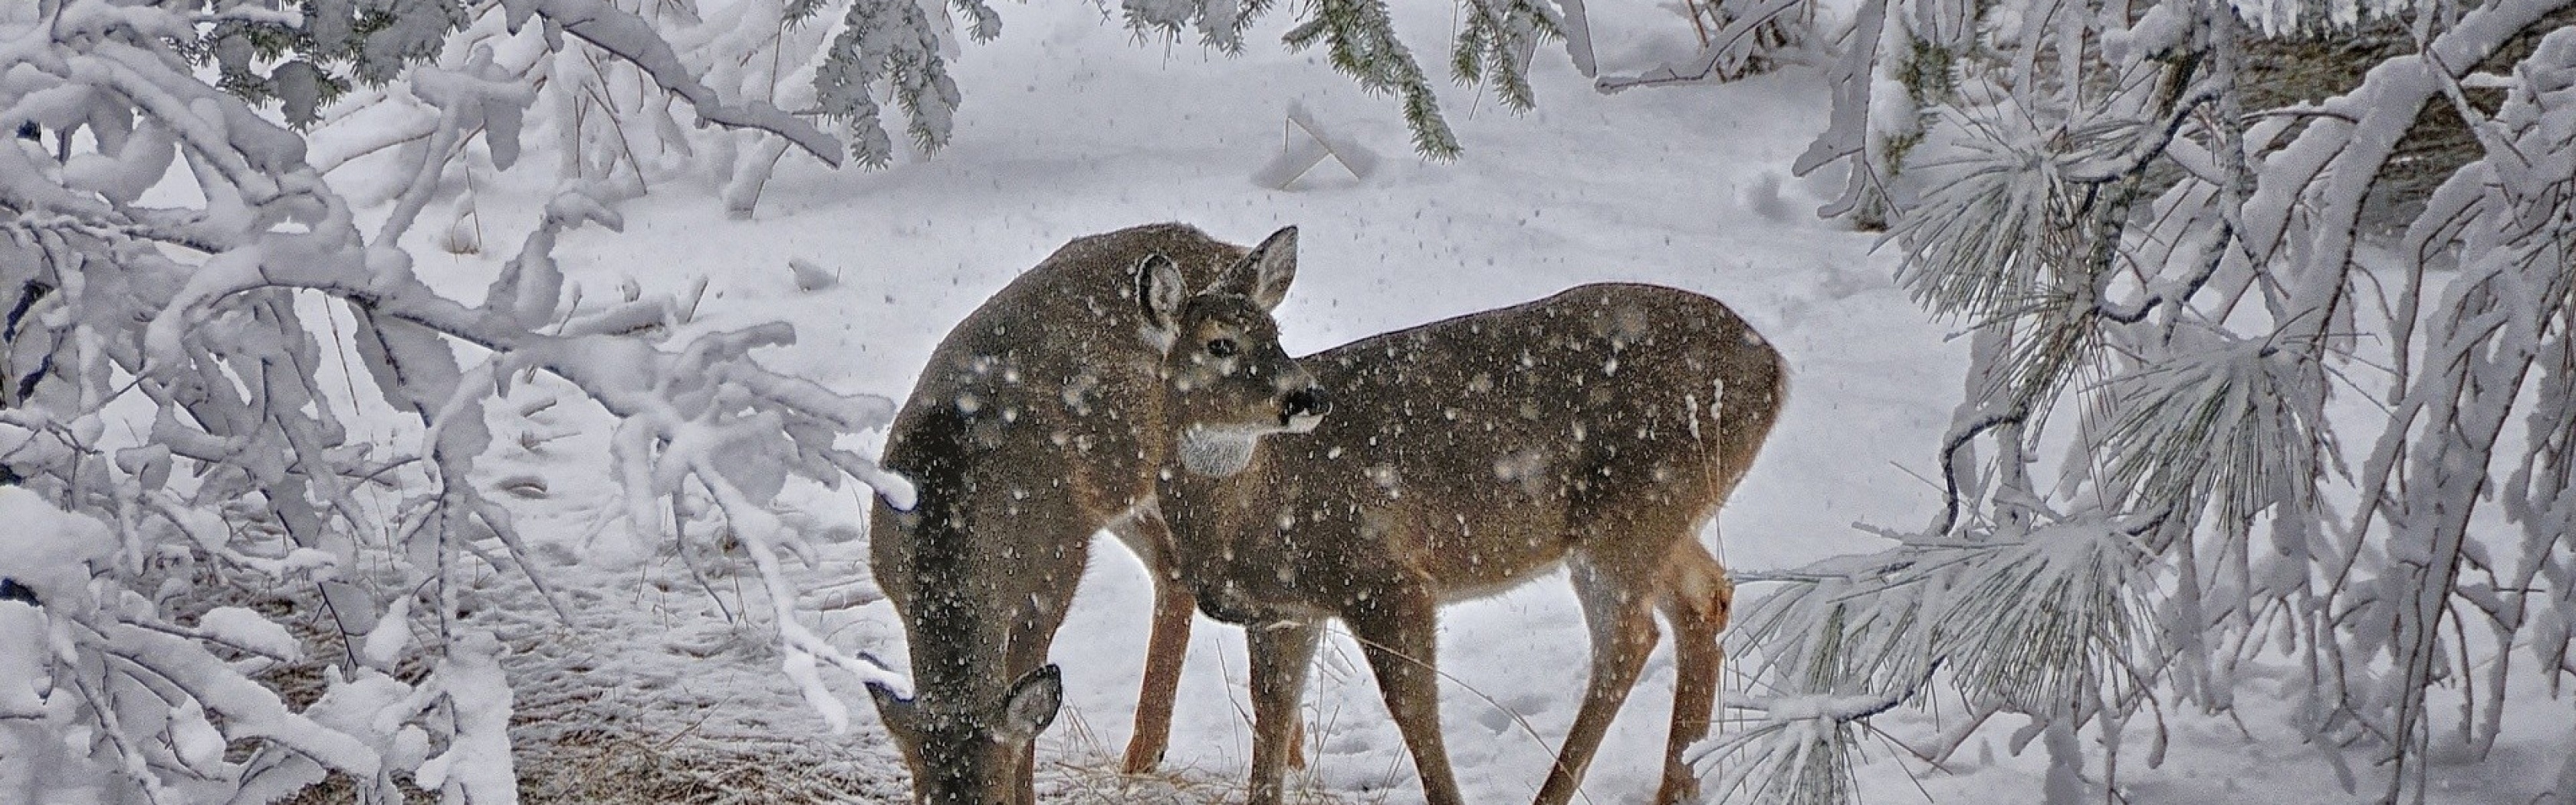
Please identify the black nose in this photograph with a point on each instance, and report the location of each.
(1308, 401)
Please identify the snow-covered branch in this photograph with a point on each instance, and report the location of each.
(241, 467)
(622, 33)
(2196, 278)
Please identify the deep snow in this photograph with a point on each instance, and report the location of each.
(1068, 128)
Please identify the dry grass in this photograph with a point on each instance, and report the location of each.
(603, 767)
(1086, 771)
(649, 693)
(1096, 780)
(600, 768)
(581, 738)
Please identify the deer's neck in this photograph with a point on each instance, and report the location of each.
(1221, 548)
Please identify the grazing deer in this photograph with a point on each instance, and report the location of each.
(1040, 420)
(1598, 428)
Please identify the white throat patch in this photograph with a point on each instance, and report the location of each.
(1217, 452)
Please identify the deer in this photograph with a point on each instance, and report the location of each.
(1040, 420)
(1597, 429)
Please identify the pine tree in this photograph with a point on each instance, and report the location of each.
(2172, 283)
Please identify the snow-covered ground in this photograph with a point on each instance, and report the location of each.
(1070, 128)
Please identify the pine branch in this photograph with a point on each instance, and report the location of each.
(889, 40)
(1361, 42)
(1220, 23)
(1496, 44)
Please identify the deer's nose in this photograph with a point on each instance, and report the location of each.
(1310, 401)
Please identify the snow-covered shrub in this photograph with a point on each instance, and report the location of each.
(618, 95)
(2292, 436)
(167, 433)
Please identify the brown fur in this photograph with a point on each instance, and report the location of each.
(1597, 428)
(1040, 420)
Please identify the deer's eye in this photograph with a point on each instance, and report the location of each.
(1223, 348)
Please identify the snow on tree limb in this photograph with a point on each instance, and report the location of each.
(2212, 315)
(1727, 54)
(621, 32)
(2359, 128)
(192, 313)
(624, 374)
(1847, 126)
(891, 41)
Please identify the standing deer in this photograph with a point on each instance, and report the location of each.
(1041, 419)
(1598, 428)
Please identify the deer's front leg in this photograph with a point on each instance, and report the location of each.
(1398, 630)
(1281, 655)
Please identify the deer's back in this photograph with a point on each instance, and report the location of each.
(1482, 449)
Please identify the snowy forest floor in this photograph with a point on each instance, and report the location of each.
(653, 687)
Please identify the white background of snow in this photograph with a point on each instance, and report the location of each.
(1071, 128)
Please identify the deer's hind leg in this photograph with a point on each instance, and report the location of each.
(1696, 598)
(1146, 535)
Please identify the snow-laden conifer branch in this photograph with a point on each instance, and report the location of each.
(1496, 43)
(2198, 278)
(2223, 424)
(1360, 40)
(1494, 46)
(889, 41)
(1796, 748)
(1220, 23)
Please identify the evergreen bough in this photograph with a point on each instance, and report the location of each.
(1361, 42)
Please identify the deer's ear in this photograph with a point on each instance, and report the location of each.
(1032, 704)
(1263, 275)
(902, 722)
(1159, 292)
(893, 709)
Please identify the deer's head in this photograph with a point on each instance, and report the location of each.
(1226, 378)
(970, 753)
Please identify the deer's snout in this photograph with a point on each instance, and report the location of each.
(1304, 408)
